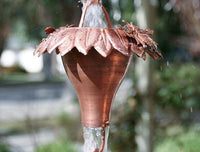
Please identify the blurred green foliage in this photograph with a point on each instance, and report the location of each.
(127, 8)
(177, 89)
(4, 147)
(40, 14)
(68, 135)
(59, 146)
(186, 141)
(168, 28)
(71, 125)
(178, 86)
(122, 133)
(36, 15)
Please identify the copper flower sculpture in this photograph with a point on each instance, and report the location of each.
(96, 60)
(103, 40)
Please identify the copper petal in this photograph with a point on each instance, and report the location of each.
(69, 41)
(58, 38)
(116, 41)
(100, 45)
(41, 48)
(80, 41)
(122, 35)
(102, 39)
(106, 41)
(92, 36)
(136, 50)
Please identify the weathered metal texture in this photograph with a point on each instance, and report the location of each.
(96, 80)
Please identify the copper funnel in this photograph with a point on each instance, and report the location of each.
(96, 60)
(96, 80)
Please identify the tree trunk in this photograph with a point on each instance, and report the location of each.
(2, 42)
(3, 37)
(145, 14)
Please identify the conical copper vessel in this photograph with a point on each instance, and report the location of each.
(96, 60)
(96, 80)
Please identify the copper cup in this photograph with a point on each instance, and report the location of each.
(96, 80)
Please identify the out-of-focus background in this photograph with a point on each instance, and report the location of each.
(157, 108)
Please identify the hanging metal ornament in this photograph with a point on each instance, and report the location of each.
(96, 61)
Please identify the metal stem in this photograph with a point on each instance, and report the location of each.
(102, 140)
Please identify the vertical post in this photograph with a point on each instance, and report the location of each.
(145, 14)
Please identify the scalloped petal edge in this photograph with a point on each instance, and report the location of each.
(123, 39)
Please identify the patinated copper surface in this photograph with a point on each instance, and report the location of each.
(96, 60)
